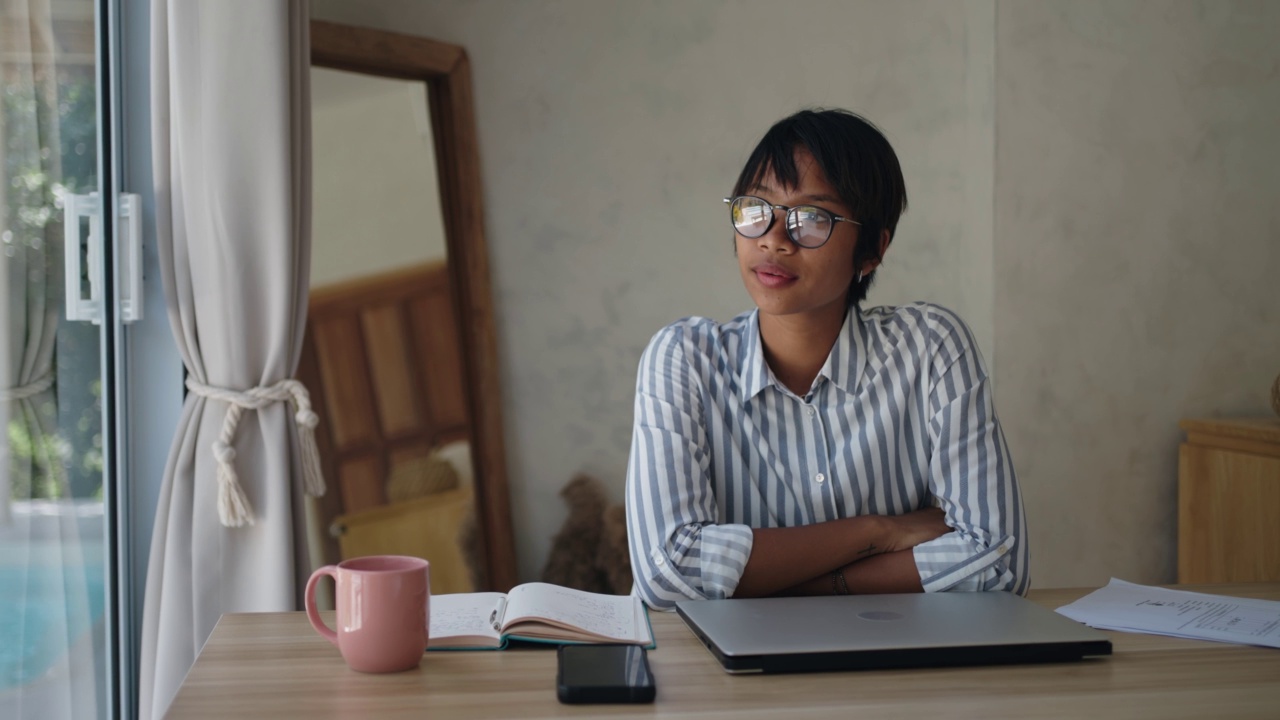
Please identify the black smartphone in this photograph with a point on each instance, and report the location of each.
(604, 674)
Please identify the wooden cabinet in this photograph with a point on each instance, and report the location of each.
(1229, 501)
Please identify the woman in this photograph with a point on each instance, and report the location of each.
(813, 446)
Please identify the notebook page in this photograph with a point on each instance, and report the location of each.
(462, 615)
(612, 616)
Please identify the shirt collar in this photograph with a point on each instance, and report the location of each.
(848, 356)
(844, 365)
(755, 374)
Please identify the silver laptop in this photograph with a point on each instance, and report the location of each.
(851, 632)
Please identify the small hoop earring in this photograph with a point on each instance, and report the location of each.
(859, 279)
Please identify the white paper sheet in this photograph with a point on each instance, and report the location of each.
(1141, 608)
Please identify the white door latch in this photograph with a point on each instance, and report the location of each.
(84, 264)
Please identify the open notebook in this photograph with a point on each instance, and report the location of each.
(536, 612)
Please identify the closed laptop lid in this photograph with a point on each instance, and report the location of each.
(867, 631)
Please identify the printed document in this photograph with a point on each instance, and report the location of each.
(1141, 608)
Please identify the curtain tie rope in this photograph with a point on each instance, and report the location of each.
(234, 509)
(33, 388)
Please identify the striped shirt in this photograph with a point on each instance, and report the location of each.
(899, 418)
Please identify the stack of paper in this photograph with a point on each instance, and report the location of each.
(1140, 608)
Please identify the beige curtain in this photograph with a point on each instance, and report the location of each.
(231, 147)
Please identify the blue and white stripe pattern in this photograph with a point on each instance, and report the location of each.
(899, 417)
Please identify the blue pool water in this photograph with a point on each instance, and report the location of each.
(50, 593)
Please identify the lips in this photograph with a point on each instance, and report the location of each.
(773, 276)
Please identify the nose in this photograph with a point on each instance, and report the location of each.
(776, 239)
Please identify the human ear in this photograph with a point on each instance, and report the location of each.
(870, 265)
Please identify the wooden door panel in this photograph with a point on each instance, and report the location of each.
(362, 482)
(344, 376)
(384, 365)
(436, 332)
(391, 371)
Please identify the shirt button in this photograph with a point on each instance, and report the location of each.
(819, 477)
(658, 561)
(812, 412)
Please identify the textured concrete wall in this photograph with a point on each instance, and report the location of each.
(1137, 260)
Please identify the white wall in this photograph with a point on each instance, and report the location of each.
(1137, 260)
(609, 131)
(375, 200)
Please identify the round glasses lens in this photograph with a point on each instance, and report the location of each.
(809, 226)
(750, 216)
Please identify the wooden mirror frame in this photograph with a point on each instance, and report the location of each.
(447, 73)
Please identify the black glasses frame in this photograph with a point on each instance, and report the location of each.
(789, 220)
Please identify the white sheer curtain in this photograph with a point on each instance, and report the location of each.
(30, 258)
(47, 608)
(231, 147)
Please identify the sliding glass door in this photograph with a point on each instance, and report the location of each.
(60, 560)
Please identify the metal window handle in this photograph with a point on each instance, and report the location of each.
(88, 207)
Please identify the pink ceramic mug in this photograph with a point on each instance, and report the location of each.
(383, 610)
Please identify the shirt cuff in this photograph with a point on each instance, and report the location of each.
(722, 555)
(948, 561)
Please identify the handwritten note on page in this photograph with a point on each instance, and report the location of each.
(610, 616)
(1141, 608)
(463, 618)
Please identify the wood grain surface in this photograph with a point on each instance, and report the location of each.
(274, 665)
(1228, 495)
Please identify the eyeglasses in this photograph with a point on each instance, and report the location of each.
(808, 226)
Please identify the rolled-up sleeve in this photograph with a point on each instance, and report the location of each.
(971, 475)
(678, 548)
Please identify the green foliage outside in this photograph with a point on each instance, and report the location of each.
(50, 149)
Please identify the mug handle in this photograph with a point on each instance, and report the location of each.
(313, 614)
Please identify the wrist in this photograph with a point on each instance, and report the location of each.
(839, 586)
(885, 536)
(871, 535)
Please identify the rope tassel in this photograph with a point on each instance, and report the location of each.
(234, 509)
(312, 474)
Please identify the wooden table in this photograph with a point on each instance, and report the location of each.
(273, 665)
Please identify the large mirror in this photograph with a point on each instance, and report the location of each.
(400, 351)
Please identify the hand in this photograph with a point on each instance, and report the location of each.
(909, 530)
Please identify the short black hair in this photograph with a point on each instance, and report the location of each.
(856, 159)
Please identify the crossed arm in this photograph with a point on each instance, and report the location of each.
(872, 551)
